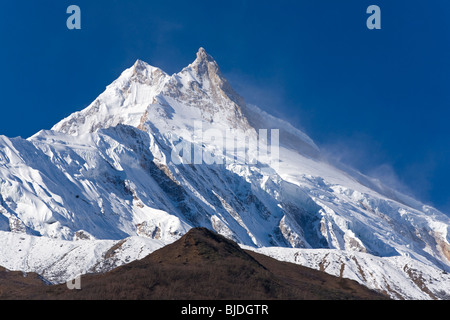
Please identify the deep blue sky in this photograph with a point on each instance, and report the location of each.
(376, 99)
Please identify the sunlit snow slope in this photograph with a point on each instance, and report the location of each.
(110, 173)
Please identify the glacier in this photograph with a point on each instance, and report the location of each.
(101, 189)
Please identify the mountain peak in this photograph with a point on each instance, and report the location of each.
(202, 56)
(143, 68)
(199, 245)
(205, 65)
(202, 85)
(206, 68)
(140, 65)
(139, 62)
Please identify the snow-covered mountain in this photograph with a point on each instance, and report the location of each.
(156, 154)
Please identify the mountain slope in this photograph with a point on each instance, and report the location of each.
(17, 285)
(398, 277)
(202, 265)
(150, 158)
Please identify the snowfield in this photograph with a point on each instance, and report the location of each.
(102, 188)
(400, 277)
(59, 260)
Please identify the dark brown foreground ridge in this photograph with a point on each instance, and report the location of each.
(202, 265)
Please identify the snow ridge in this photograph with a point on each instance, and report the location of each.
(105, 178)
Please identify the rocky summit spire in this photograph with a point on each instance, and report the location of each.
(202, 84)
(207, 72)
(202, 55)
(205, 65)
(140, 65)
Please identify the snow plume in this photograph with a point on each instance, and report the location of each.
(108, 173)
(215, 146)
(360, 153)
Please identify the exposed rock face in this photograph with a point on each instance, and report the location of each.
(108, 173)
